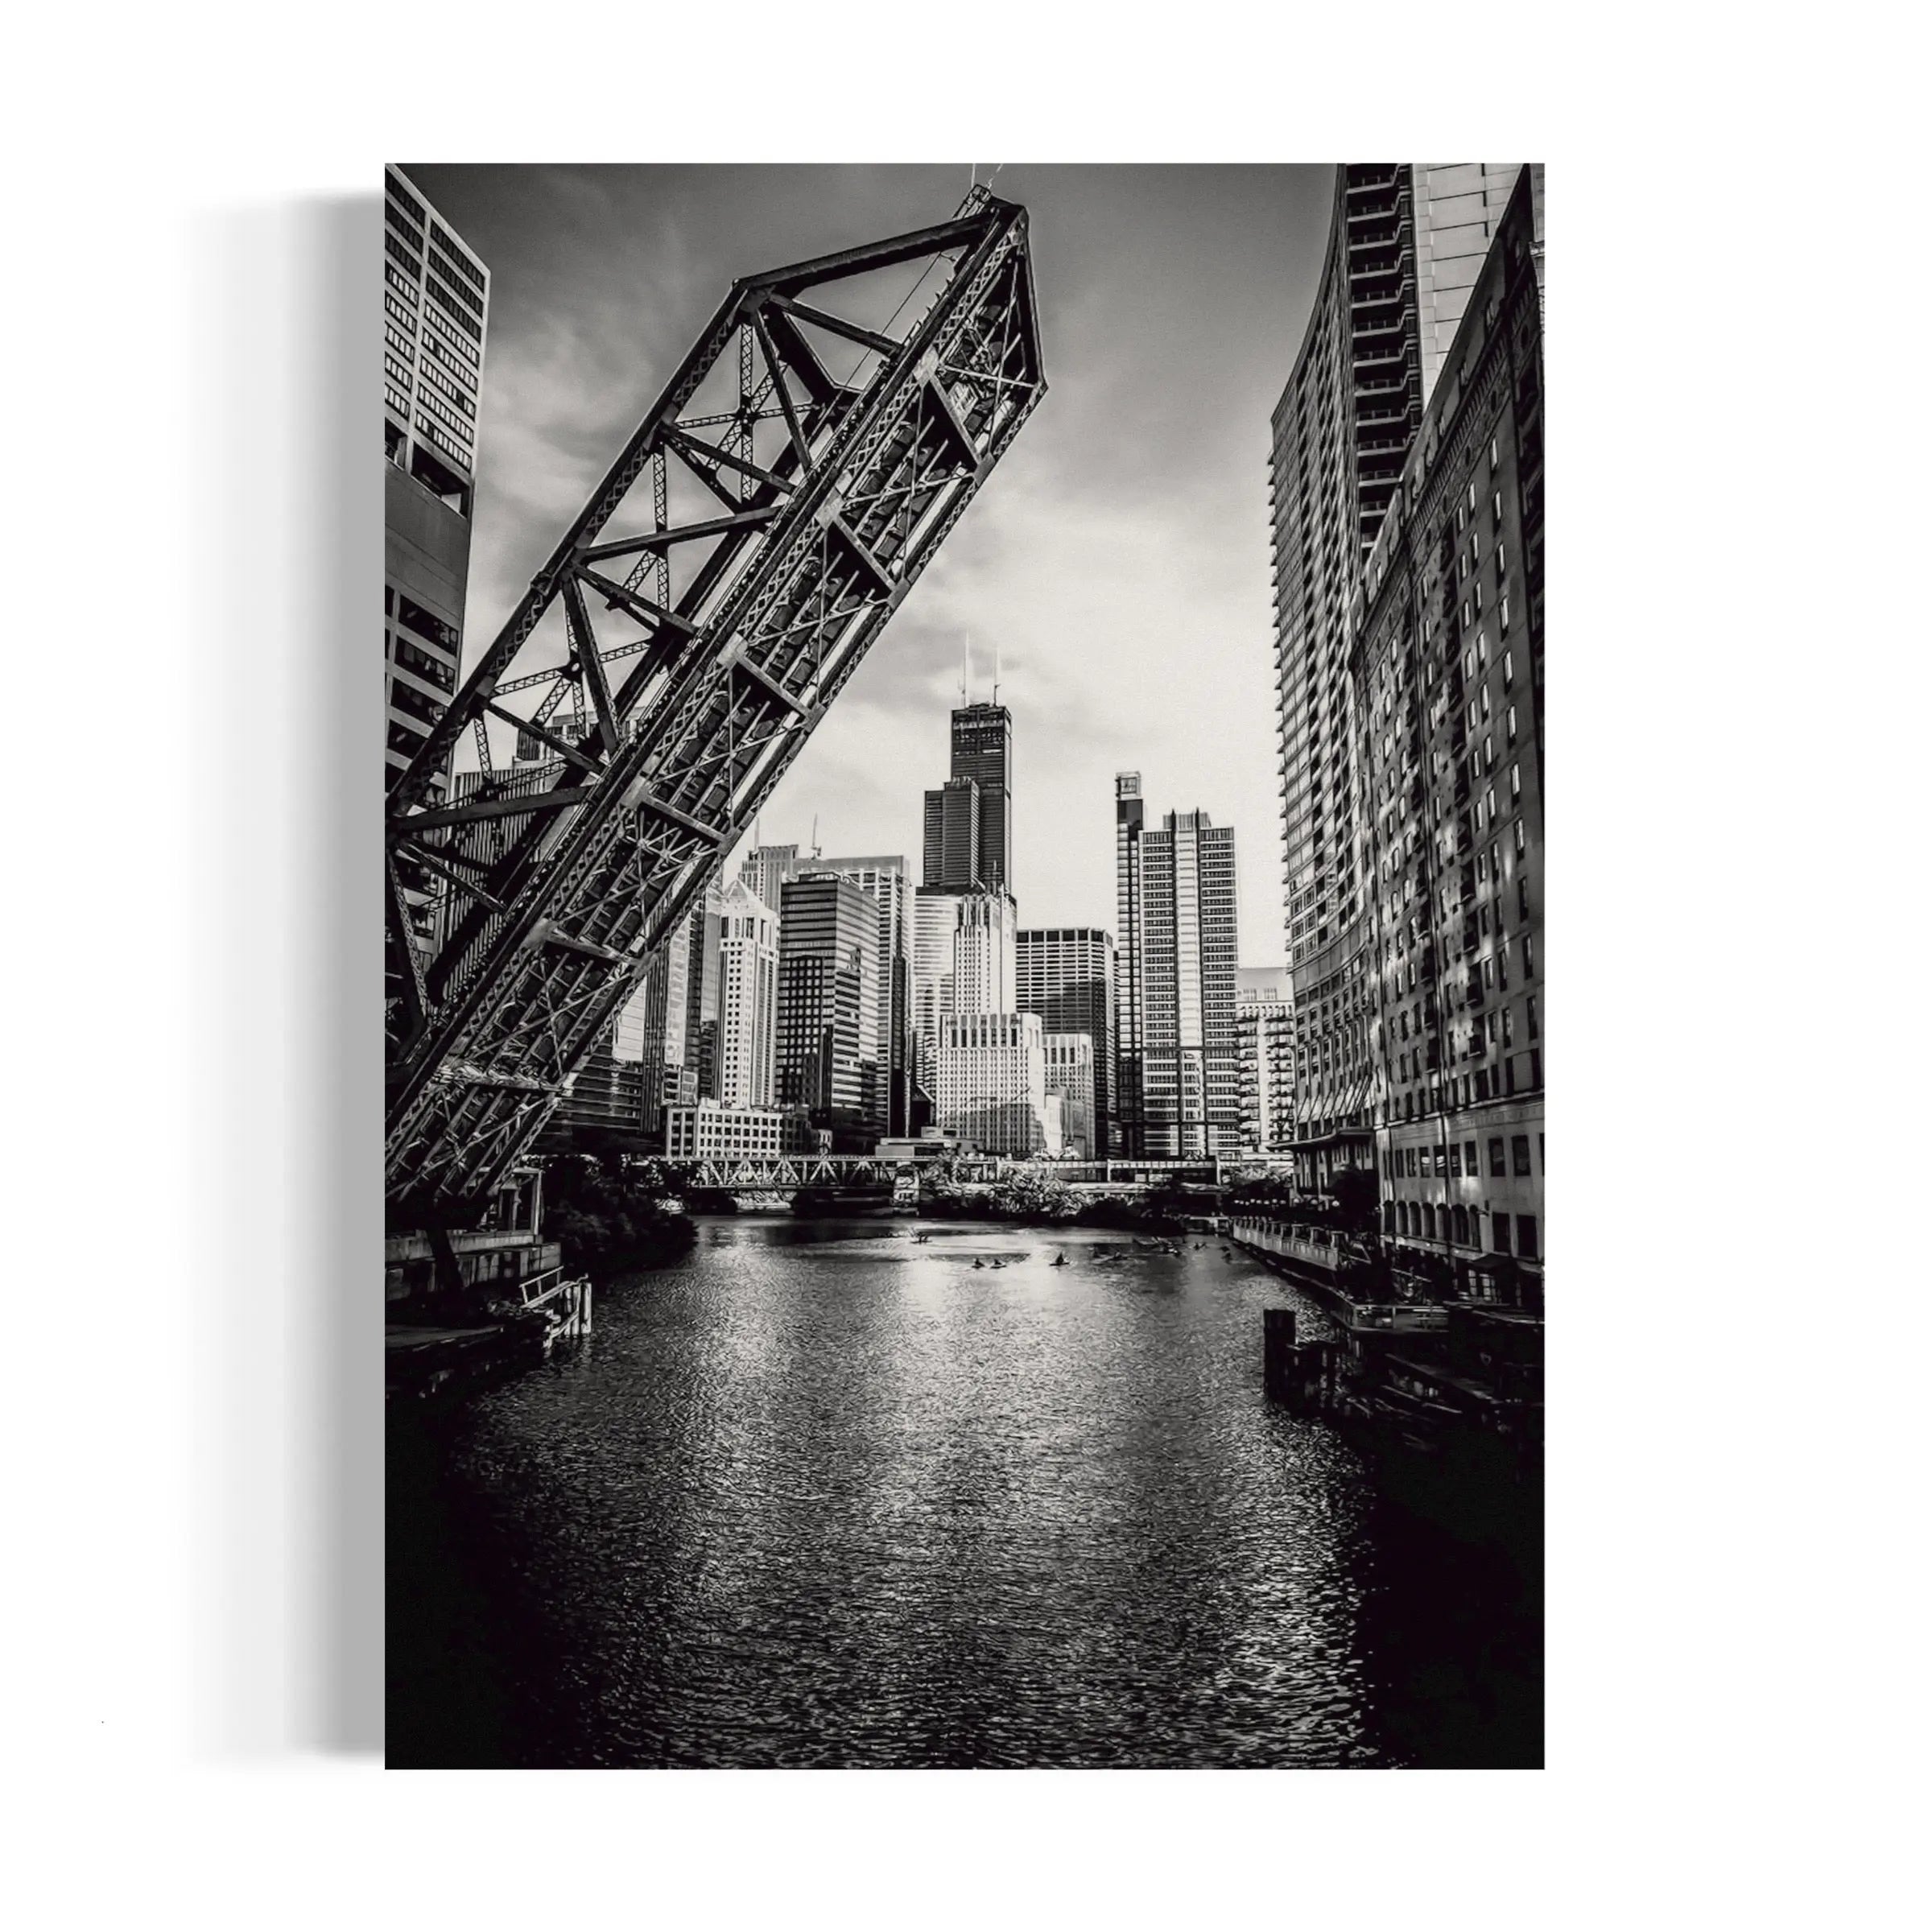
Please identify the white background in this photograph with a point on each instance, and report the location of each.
(1736, 367)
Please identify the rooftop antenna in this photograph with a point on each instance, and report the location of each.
(995, 674)
(815, 835)
(965, 663)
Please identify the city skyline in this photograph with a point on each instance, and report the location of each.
(1121, 573)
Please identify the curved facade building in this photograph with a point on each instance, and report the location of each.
(1406, 243)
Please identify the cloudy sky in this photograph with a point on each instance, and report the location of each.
(1117, 556)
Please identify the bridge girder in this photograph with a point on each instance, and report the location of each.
(824, 499)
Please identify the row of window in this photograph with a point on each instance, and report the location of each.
(444, 334)
(445, 439)
(447, 254)
(1462, 1227)
(432, 669)
(1456, 1160)
(439, 266)
(425, 623)
(404, 199)
(412, 264)
(446, 301)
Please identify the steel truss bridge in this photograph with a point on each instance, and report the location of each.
(783, 1173)
(671, 658)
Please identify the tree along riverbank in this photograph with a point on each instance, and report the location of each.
(1038, 1199)
(607, 1217)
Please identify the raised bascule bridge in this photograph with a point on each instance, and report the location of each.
(668, 662)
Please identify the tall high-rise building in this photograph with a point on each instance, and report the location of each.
(1264, 1028)
(935, 923)
(950, 857)
(829, 995)
(992, 1084)
(986, 971)
(1126, 1131)
(1176, 984)
(982, 751)
(1070, 1075)
(765, 869)
(1402, 244)
(663, 1048)
(748, 998)
(436, 303)
(1449, 661)
(884, 881)
(1066, 976)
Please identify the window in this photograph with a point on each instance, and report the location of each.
(1509, 725)
(1455, 1163)
(1508, 668)
(1519, 1152)
(1523, 838)
(1495, 507)
(1515, 782)
(1529, 1014)
(1525, 1237)
(1495, 1157)
(1500, 1239)
(1493, 455)
(1469, 1158)
(1522, 895)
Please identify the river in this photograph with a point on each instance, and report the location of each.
(822, 1494)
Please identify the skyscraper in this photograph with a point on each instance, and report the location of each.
(828, 994)
(1179, 961)
(982, 751)
(1398, 268)
(436, 303)
(748, 998)
(950, 860)
(764, 868)
(667, 1031)
(884, 881)
(1070, 1074)
(992, 1084)
(1066, 976)
(1449, 658)
(1264, 1026)
(936, 922)
(985, 975)
(1127, 1132)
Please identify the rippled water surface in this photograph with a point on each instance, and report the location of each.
(823, 1495)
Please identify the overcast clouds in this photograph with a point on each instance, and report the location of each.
(1118, 555)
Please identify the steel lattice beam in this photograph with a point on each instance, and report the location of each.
(827, 497)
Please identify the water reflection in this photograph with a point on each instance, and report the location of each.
(823, 1495)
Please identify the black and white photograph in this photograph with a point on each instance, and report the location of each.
(839, 1211)
(964, 1001)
